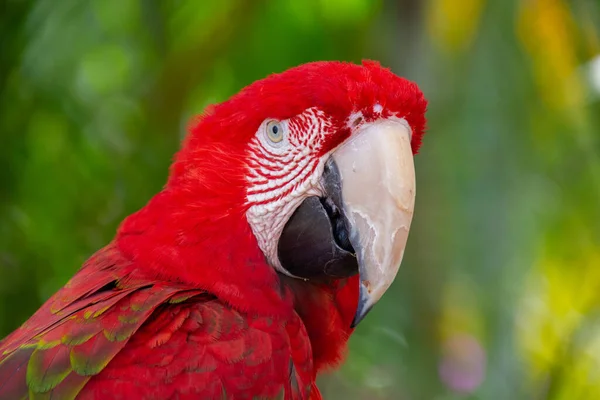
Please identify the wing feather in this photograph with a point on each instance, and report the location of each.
(103, 337)
(200, 348)
(54, 353)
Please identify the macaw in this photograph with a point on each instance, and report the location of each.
(283, 221)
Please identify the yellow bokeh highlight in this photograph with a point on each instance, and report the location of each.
(553, 325)
(547, 30)
(451, 27)
(460, 311)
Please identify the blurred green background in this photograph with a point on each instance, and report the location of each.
(499, 293)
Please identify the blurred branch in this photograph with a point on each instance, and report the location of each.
(12, 17)
(154, 21)
(186, 69)
(408, 34)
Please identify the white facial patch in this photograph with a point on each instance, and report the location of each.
(281, 175)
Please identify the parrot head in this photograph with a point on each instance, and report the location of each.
(308, 174)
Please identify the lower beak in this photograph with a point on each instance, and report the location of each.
(362, 223)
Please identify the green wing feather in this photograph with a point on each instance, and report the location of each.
(78, 331)
(190, 342)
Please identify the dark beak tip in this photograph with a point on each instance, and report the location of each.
(361, 313)
(362, 308)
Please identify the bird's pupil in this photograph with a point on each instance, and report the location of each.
(275, 129)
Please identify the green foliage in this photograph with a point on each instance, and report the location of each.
(502, 258)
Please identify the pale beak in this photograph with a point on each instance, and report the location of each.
(360, 224)
(377, 178)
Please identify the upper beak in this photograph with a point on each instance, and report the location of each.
(378, 195)
(361, 223)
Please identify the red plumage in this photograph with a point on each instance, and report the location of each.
(182, 304)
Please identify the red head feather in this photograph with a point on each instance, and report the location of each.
(125, 319)
(196, 229)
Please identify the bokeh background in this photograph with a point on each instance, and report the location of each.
(499, 293)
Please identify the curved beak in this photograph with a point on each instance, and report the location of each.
(377, 178)
(361, 223)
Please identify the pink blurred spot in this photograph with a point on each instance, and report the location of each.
(462, 367)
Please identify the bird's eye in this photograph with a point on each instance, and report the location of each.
(275, 131)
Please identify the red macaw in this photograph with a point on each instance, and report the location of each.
(283, 221)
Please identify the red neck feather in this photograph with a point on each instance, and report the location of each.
(196, 232)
